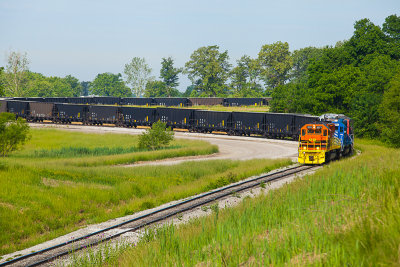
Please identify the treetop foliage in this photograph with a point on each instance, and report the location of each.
(109, 84)
(137, 74)
(208, 69)
(276, 62)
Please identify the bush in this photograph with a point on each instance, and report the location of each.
(13, 133)
(156, 137)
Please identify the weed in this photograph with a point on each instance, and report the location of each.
(105, 253)
(205, 208)
(148, 235)
(235, 194)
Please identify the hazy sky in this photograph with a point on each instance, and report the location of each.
(87, 37)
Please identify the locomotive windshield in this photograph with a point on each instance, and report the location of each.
(312, 131)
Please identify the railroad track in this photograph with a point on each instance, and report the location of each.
(51, 253)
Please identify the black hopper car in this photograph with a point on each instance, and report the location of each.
(152, 101)
(270, 125)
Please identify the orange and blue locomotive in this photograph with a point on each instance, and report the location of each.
(329, 138)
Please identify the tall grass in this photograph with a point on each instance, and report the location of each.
(42, 198)
(83, 151)
(347, 214)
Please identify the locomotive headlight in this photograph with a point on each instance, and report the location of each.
(317, 148)
(304, 147)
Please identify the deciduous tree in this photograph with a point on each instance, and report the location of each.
(208, 69)
(76, 86)
(159, 89)
(109, 84)
(392, 27)
(367, 39)
(276, 63)
(137, 74)
(85, 87)
(301, 59)
(38, 85)
(17, 68)
(169, 75)
(245, 78)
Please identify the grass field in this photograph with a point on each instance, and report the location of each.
(64, 180)
(347, 214)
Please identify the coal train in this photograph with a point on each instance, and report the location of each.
(270, 125)
(154, 101)
(330, 138)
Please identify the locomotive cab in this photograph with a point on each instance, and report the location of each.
(316, 143)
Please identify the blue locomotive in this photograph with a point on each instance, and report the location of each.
(343, 131)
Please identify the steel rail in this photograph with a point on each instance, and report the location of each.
(281, 174)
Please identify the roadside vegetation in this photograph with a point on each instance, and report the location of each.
(347, 214)
(61, 181)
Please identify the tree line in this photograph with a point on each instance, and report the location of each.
(359, 77)
(209, 70)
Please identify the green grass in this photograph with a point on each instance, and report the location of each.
(82, 151)
(47, 196)
(347, 214)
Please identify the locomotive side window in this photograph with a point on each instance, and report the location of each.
(325, 132)
(341, 129)
(303, 132)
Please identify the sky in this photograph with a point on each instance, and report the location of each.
(83, 38)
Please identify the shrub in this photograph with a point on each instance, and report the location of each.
(13, 133)
(156, 137)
